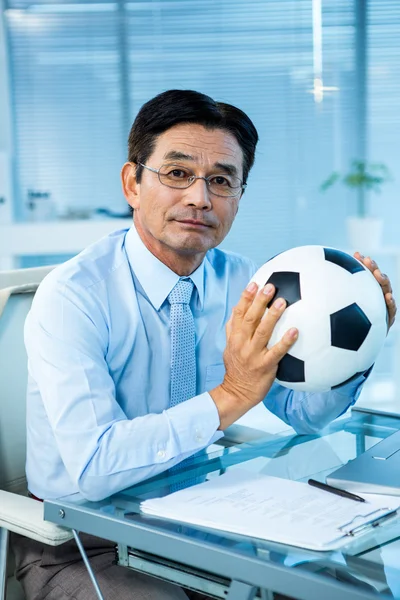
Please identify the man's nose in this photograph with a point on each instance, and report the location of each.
(198, 194)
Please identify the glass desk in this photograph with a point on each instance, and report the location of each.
(226, 565)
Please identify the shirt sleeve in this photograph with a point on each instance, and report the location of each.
(103, 451)
(308, 412)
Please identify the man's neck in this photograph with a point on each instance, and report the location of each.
(182, 267)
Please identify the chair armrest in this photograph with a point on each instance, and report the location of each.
(25, 516)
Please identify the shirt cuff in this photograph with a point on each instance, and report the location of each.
(195, 423)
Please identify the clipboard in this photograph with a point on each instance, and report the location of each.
(274, 509)
(377, 517)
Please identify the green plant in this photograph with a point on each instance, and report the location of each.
(362, 177)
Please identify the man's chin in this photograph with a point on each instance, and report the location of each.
(189, 246)
(192, 250)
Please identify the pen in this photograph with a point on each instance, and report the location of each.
(333, 490)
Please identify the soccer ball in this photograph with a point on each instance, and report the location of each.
(339, 309)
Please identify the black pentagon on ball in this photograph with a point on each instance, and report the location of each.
(287, 286)
(291, 369)
(349, 327)
(347, 262)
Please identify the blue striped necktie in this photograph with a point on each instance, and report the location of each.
(183, 356)
(183, 349)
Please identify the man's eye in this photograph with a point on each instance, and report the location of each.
(220, 180)
(178, 174)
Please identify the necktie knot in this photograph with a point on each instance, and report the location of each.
(182, 292)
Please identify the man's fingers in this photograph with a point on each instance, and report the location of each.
(383, 281)
(372, 265)
(278, 350)
(257, 309)
(391, 308)
(266, 326)
(250, 309)
(366, 261)
(242, 306)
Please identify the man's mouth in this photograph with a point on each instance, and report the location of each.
(193, 222)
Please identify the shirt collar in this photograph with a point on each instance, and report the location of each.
(156, 279)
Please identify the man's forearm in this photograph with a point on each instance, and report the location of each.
(308, 412)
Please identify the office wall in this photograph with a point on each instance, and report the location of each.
(82, 70)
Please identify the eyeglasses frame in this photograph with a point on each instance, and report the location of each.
(242, 186)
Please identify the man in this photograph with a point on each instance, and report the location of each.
(115, 396)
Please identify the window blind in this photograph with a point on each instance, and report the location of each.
(383, 108)
(82, 70)
(69, 136)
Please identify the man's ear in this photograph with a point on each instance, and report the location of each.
(130, 186)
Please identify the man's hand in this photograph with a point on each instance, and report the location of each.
(385, 284)
(250, 366)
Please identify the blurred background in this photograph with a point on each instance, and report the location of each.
(319, 78)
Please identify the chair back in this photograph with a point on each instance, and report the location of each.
(33, 275)
(15, 302)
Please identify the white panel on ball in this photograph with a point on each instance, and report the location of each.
(337, 306)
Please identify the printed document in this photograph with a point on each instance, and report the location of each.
(275, 509)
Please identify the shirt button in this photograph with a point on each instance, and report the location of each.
(161, 453)
(199, 438)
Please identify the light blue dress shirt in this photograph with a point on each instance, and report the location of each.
(97, 337)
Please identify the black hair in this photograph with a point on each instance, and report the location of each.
(174, 107)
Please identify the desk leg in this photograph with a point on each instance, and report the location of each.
(122, 549)
(241, 591)
(87, 564)
(360, 443)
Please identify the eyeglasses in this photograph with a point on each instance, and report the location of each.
(179, 177)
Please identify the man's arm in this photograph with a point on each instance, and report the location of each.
(103, 451)
(308, 412)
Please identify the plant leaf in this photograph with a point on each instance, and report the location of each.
(332, 179)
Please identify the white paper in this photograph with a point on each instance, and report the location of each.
(270, 508)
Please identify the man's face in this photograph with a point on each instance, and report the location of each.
(182, 224)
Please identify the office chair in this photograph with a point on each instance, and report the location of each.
(18, 513)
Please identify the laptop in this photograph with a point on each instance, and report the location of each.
(376, 471)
